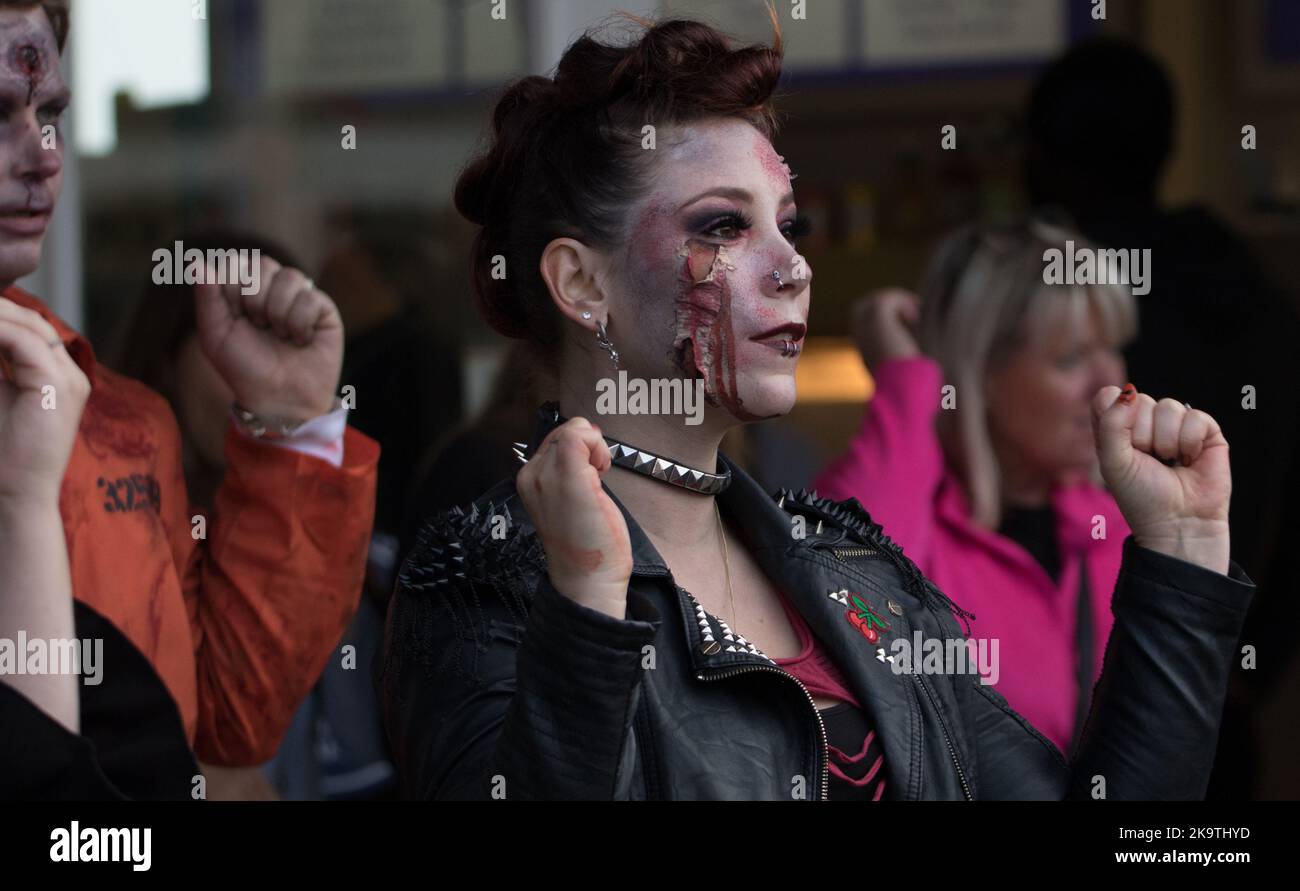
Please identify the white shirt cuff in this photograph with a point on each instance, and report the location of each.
(321, 437)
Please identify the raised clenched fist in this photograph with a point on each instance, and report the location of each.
(882, 324)
(588, 551)
(280, 348)
(1179, 508)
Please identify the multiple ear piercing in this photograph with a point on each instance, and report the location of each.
(603, 341)
(602, 337)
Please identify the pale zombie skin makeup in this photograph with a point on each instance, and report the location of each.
(29, 57)
(26, 61)
(29, 80)
(732, 321)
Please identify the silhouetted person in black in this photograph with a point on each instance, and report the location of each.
(1100, 124)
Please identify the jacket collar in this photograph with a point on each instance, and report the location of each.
(78, 347)
(711, 642)
(753, 510)
(818, 584)
(808, 575)
(806, 571)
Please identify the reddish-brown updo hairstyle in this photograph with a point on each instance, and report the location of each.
(565, 158)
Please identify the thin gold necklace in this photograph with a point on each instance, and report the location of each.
(726, 568)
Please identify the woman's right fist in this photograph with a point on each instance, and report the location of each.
(882, 324)
(588, 551)
(42, 394)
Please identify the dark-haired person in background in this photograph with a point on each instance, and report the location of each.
(469, 460)
(159, 346)
(157, 343)
(334, 739)
(391, 287)
(1100, 129)
(657, 629)
(216, 637)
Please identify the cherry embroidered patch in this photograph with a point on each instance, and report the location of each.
(862, 617)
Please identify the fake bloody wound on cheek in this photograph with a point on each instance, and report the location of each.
(722, 336)
(705, 344)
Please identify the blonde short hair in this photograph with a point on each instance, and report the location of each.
(983, 297)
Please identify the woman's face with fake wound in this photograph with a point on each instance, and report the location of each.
(710, 284)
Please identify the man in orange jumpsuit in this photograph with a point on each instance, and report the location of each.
(235, 614)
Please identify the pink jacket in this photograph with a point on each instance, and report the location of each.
(895, 467)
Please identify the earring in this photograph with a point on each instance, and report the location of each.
(586, 315)
(603, 341)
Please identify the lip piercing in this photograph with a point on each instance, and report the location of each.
(776, 275)
(789, 348)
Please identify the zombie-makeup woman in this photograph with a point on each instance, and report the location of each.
(631, 617)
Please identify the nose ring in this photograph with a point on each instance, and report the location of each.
(776, 274)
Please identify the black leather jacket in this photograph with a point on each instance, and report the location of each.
(495, 685)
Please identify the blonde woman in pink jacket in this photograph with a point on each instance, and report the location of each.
(977, 454)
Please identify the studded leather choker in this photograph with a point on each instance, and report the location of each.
(639, 460)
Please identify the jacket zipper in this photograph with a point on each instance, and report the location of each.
(821, 725)
(943, 725)
(846, 554)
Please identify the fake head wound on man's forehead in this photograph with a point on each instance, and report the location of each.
(26, 60)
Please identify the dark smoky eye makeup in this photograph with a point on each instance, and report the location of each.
(714, 222)
(732, 223)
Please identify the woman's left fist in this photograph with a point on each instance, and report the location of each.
(280, 348)
(1179, 508)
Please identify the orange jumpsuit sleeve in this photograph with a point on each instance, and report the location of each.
(272, 587)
